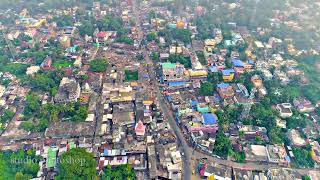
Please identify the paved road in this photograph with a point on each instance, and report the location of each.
(186, 164)
(182, 142)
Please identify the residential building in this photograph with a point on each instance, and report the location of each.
(228, 74)
(47, 63)
(225, 90)
(69, 91)
(209, 45)
(172, 72)
(277, 154)
(303, 105)
(285, 110)
(238, 66)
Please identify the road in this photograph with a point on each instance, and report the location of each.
(182, 142)
(187, 157)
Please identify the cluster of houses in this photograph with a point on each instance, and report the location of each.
(125, 125)
(196, 114)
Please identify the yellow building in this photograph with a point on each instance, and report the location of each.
(209, 45)
(228, 74)
(198, 73)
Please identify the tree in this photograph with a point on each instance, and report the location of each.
(240, 156)
(98, 65)
(296, 122)
(318, 111)
(306, 178)
(44, 81)
(119, 172)
(12, 168)
(151, 36)
(77, 164)
(125, 39)
(63, 21)
(183, 35)
(17, 69)
(32, 106)
(275, 136)
(213, 77)
(179, 58)
(241, 134)
(206, 89)
(6, 116)
(140, 56)
(201, 58)
(155, 56)
(222, 145)
(86, 28)
(303, 157)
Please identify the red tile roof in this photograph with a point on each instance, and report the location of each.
(102, 34)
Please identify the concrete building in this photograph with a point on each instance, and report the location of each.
(69, 91)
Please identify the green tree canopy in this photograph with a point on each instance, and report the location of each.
(12, 168)
(222, 145)
(98, 65)
(119, 172)
(206, 89)
(77, 164)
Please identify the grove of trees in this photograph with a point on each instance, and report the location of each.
(77, 164)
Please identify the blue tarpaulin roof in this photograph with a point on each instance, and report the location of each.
(213, 69)
(209, 119)
(237, 63)
(177, 83)
(227, 72)
(250, 61)
(105, 152)
(287, 158)
(194, 103)
(223, 85)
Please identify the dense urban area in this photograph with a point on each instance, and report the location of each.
(160, 89)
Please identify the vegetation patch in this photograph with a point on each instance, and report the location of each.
(14, 165)
(60, 64)
(98, 65)
(131, 75)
